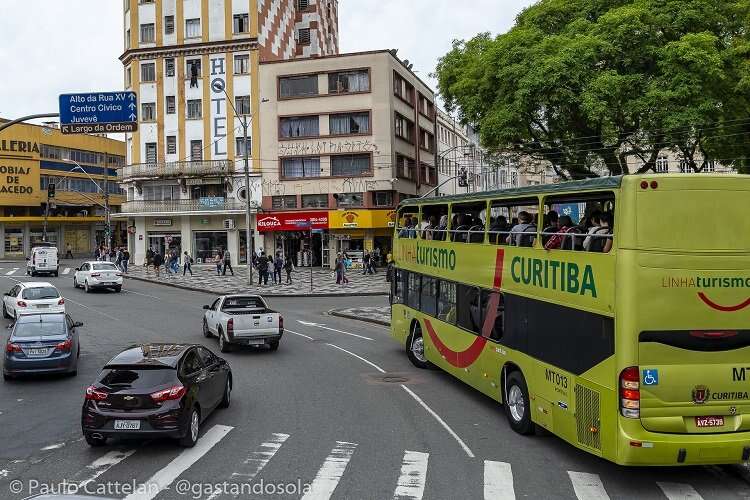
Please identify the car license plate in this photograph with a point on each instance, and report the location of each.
(36, 352)
(42, 306)
(256, 342)
(127, 425)
(709, 421)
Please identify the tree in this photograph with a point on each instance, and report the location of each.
(606, 85)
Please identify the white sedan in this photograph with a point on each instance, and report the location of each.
(97, 274)
(32, 297)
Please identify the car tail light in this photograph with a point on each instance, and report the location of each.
(230, 327)
(281, 324)
(65, 346)
(21, 303)
(93, 394)
(175, 392)
(630, 393)
(11, 347)
(95, 275)
(61, 302)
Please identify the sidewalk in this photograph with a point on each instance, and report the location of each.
(204, 279)
(377, 315)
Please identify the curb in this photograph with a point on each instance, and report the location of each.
(334, 312)
(203, 290)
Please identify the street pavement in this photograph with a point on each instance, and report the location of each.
(378, 315)
(337, 409)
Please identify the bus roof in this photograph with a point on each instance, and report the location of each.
(583, 185)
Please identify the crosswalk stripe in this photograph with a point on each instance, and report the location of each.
(498, 481)
(180, 464)
(679, 491)
(330, 472)
(263, 455)
(588, 486)
(104, 463)
(413, 476)
(66, 270)
(12, 271)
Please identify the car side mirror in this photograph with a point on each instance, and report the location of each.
(206, 307)
(28, 259)
(77, 324)
(78, 268)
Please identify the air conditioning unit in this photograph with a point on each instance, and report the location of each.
(229, 224)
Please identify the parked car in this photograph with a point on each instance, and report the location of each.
(43, 260)
(97, 274)
(150, 390)
(32, 297)
(42, 343)
(243, 320)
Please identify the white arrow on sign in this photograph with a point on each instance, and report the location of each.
(131, 96)
(318, 325)
(132, 117)
(132, 106)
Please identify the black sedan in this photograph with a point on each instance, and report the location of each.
(154, 390)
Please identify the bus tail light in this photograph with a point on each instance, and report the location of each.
(630, 394)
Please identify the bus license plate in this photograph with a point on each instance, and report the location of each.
(127, 425)
(709, 421)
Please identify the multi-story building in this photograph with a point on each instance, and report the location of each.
(81, 167)
(343, 139)
(194, 65)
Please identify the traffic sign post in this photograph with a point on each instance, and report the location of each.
(98, 113)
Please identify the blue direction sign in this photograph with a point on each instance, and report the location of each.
(99, 112)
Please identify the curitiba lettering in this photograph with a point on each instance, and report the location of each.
(554, 274)
(436, 257)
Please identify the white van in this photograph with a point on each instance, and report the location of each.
(43, 260)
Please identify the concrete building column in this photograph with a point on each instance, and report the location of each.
(2, 241)
(186, 235)
(26, 239)
(233, 244)
(141, 241)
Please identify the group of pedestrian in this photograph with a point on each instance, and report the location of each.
(369, 263)
(265, 264)
(170, 260)
(119, 256)
(341, 266)
(223, 261)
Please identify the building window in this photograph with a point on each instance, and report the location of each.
(242, 103)
(148, 111)
(514, 179)
(349, 123)
(242, 64)
(147, 33)
(383, 198)
(169, 66)
(127, 5)
(303, 4)
(171, 145)
(297, 168)
(299, 126)
(349, 81)
(404, 128)
(298, 86)
(241, 23)
(426, 140)
(194, 109)
(350, 165)
(662, 165)
(314, 201)
(196, 150)
(685, 167)
(405, 167)
(192, 28)
(168, 25)
(303, 36)
(128, 77)
(402, 88)
(127, 39)
(171, 105)
(346, 200)
(240, 147)
(193, 67)
(426, 107)
(282, 202)
(710, 166)
(150, 152)
(148, 72)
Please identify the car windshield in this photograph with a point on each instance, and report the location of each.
(40, 293)
(137, 378)
(39, 329)
(104, 266)
(242, 303)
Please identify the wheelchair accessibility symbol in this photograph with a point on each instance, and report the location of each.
(651, 377)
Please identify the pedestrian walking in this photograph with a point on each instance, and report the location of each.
(278, 265)
(187, 264)
(227, 263)
(157, 261)
(263, 263)
(338, 268)
(125, 260)
(218, 260)
(118, 258)
(68, 251)
(288, 267)
(149, 258)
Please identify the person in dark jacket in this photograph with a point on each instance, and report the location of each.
(263, 263)
(288, 267)
(157, 260)
(278, 265)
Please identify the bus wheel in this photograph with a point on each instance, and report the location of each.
(415, 348)
(517, 406)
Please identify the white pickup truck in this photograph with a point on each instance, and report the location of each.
(242, 320)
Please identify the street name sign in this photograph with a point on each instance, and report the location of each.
(98, 112)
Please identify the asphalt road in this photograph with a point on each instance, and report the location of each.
(338, 408)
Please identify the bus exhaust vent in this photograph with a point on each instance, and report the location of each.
(587, 417)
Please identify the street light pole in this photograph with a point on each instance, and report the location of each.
(107, 216)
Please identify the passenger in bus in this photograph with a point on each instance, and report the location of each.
(561, 239)
(408, 230)
(476, 232)
(593, 225)
(551, 225)
(499, 230)
(429, 230)
(442, 228)
(600, 241)
(460, 228)
(523, 234)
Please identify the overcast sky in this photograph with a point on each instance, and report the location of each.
(50, 47)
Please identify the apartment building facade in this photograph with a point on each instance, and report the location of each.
(343, 139)
(194, 65)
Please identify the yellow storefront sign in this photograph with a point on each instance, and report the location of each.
(19, 182)
(360, 219)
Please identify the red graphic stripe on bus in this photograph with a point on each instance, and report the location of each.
(710, 303)
(499, 268)
(460, 359)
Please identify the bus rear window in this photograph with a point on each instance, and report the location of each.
(697, 220)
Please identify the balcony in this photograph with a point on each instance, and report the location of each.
(145, 171)
(203, 206)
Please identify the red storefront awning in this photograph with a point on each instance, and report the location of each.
(292, 221)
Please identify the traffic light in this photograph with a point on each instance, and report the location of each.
(50, 190)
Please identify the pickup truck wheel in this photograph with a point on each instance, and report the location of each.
(224, 346)
(274, 345)
(206, 331)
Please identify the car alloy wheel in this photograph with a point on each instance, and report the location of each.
(194, 426)
(75, 282)
(86, 286)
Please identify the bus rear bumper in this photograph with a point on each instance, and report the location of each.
(637, 446)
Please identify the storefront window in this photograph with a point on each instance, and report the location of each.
(208, 244)
(243, 245)
(13, 242)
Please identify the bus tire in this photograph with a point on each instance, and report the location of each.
(517, 404)
(415, 348)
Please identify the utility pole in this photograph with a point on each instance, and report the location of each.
(107, 217)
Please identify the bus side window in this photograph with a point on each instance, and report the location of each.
(493, 310)
(514, 222)
(412, 287)
(428, 301)
(435, 222)
(397, 287)
(581, 222)
(408, 222)
(447, 302)
(468, 221)
(469, 309)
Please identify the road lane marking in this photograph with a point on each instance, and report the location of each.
(330, 472)
(166, 476)
(66, 270)
(142, 294)
(413, 476)
(318, 325)
(679, 491)
(358, 357)
(588, 486)
(67, 299)
(440, 421)
(300, 334)
(498, 481)
(104, 463)
(12, 271)
(52, 446)
(263, 455)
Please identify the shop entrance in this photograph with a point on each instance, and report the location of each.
(298, 245)
(165, 242)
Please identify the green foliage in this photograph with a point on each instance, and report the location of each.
(593, 85)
